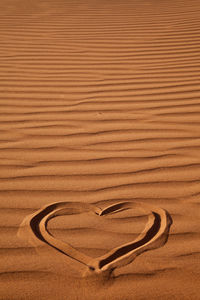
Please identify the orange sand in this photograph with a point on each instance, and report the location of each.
(99, 103)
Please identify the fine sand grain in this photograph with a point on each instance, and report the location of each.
(99, 117)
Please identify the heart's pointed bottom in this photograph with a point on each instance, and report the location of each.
(97, 276)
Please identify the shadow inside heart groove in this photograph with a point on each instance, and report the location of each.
(89, 231)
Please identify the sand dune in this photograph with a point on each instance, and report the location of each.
(100, 104)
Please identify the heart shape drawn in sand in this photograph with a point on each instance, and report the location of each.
(154, 235)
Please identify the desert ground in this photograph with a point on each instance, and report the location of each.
(99, 111)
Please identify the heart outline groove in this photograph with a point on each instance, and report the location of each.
(154, 235)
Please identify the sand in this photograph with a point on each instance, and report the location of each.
(100, 122)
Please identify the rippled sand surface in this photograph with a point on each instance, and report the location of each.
(99, 102)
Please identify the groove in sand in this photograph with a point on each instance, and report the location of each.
(153, 236)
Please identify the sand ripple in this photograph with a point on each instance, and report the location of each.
(100, 104)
